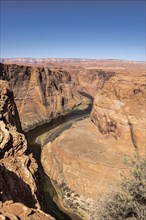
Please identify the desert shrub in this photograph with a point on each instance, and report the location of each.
(129, 200)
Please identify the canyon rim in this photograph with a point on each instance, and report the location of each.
(88, 152)
(72, 110)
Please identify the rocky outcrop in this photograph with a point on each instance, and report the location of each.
(40, 93)
(83, 166)
(17, 211)
(119, 110)
(20, 196)
(86, 161)
(12, 142)
(91, 80)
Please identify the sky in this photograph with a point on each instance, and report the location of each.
(73, 29)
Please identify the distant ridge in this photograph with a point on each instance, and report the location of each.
(60, 60)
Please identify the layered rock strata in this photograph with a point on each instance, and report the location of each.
(91, 80)
(86, 161)
(19, 188)
(119, 110)
(39, 92)
(18, 211)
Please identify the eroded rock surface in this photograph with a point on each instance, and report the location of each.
(20, 196)
(82, 168)
(39, 92)
(86, 161)
(119, 110)
(91, 80)
(17, 211)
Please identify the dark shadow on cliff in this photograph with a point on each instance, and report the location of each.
(49, 206)
(3, 72)
(87, 95)
(14, 188)
(17, 118)
(8, 146)
(13, 117)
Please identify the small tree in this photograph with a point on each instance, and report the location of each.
(129, 201)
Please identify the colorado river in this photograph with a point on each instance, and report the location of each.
(45, 133)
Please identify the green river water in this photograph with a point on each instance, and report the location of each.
(45, 133)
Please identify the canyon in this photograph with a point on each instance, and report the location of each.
(83, 161)
(39, 92)
(20, 190)
(86, 161)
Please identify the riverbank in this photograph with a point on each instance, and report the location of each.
(43, 134)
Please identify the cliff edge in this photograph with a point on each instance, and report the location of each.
(20, 196)
(40, 93)
(86, 161)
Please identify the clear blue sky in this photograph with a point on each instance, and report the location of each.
(73, 29)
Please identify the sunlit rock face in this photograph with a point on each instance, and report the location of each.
(16, 211)
(86, 161)
(11, 141)
(119, 110)
(91, 80)
(19, 188)
(40, 93)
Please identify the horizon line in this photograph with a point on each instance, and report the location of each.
(74, 58)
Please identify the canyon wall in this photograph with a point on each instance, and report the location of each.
(20, 194)
(119, 110)
(87, 74)
(86, 161)
(39, 92)
(91, 80)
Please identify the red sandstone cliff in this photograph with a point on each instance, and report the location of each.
(86, 161)
(19, 189)
(119, 110)
(91, 80)
(39, 92)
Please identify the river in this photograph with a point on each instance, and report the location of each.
(45, 133)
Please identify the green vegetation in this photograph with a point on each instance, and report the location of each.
(129, 201)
